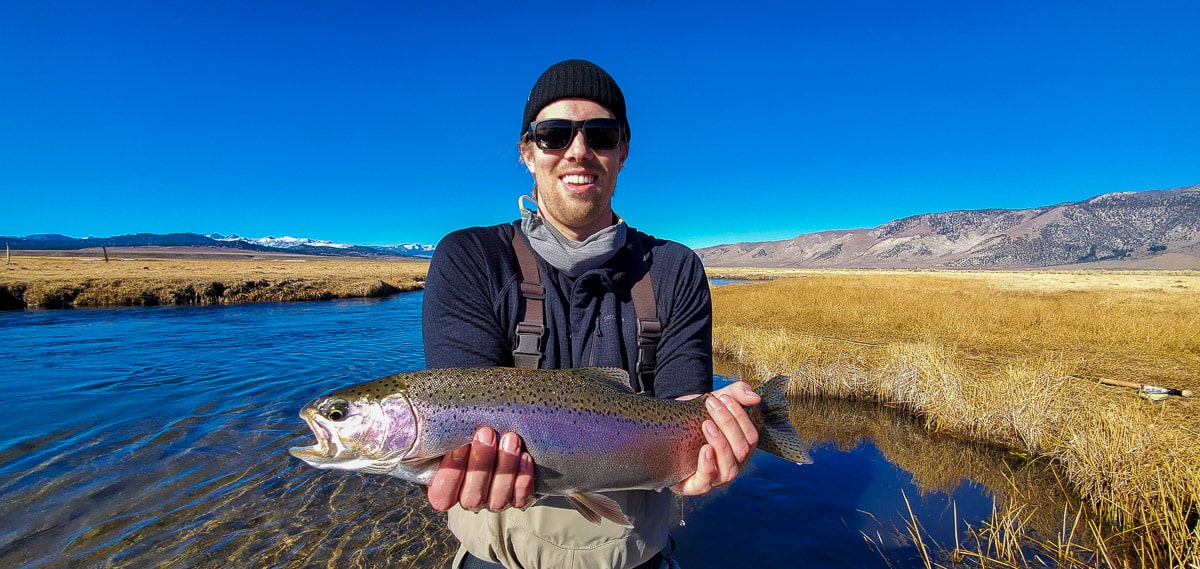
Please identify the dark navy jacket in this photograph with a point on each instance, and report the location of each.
(472, 297)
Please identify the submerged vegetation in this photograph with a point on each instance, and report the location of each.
(1011, 359)
(63, 282)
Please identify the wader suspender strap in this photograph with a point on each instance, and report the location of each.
(649, 329)
(531, 327)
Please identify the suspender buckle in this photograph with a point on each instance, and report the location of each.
(528, 353)
(529, 339)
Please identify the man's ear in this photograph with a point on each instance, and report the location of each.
(527, 157)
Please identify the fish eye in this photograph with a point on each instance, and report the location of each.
(337, 411)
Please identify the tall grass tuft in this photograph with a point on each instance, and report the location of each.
(1001, 357)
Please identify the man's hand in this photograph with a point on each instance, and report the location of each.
(480, 475)
(731, 438)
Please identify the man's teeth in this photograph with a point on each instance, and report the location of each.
(578, 179)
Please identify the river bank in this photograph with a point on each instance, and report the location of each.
(1013, 359)
(186, 276)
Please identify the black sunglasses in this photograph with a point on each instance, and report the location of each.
(557, 134)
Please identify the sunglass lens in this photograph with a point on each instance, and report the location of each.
(553, 135)
(556, 134)
(602, 134)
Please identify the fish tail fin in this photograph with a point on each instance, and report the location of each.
(595, 507)
(776, 434)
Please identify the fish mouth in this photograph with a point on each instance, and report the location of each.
(320, 454)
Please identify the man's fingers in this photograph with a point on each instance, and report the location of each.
(503, 480)
(746, 426)
(730, 436)
(477, 482)
(702, 481)
(443, 491)
(725, 436)
(741, 392)
(736, 397)
(524, 486)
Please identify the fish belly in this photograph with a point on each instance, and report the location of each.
(581, 450)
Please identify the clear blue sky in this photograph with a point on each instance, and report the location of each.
(392, 122)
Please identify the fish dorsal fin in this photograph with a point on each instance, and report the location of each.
(614, 377)
(595, 507)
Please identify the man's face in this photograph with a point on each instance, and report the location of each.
(575, 185)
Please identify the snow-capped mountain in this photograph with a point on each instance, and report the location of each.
(233, 241)
(285, 242)
(410, 249)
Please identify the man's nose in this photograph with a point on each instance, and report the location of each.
(579, 148)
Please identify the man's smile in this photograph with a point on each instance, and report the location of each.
(579, 181)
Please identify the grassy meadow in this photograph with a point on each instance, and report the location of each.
(1008, 358)
(79, 281)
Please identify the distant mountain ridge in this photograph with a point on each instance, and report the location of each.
(264, 244)
(1150, 229)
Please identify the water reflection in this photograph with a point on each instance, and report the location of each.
(939, 463)
(875, 471)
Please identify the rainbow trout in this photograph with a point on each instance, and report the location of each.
(586, 431)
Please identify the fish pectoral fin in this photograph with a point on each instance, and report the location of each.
(383, 464)
(379, 466)
(595, 507)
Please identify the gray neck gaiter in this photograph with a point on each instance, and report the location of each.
(571, 257)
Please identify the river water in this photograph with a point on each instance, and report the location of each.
(146, 437)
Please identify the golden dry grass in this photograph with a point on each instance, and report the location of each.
(1004, 358)
(55, 282)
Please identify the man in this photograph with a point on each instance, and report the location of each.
(574, 141)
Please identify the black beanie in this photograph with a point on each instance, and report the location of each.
(571, 79)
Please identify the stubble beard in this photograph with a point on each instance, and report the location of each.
(576, 211)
